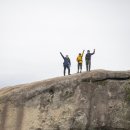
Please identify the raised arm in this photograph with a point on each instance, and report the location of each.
(93, 52)
(82, 53)
(62, 55)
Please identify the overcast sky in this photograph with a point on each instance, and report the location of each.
(33, 32)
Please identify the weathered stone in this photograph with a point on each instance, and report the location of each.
(96, 100)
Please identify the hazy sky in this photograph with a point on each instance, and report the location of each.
(33, 32)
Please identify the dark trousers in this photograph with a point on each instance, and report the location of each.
(79, 67)
(88, 65)
(66, 67)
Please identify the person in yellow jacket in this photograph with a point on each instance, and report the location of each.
(80, 61)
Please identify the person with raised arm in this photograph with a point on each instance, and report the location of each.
(88, 59)
(66, 63)
(80, 61)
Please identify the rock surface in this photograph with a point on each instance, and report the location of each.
(96, 100)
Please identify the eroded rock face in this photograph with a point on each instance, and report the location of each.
(96, 100)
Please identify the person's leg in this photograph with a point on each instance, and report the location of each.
(89, 65)
(81, 67)
(68, 70)
(64, 70)
(78, 67)
(86, 65)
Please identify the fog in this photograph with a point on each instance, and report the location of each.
(33, 32)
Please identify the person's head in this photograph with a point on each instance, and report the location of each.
(67, 56)
(79, 54)
(88, 51)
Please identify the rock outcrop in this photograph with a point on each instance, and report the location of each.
(96, 100)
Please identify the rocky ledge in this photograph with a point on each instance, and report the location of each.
(96, 100)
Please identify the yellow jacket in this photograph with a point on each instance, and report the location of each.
(79, 58)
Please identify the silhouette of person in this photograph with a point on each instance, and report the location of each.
(88, 59)
(66, 63)
(80, 61)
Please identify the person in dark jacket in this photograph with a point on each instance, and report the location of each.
(66, 63)
(88, 59)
